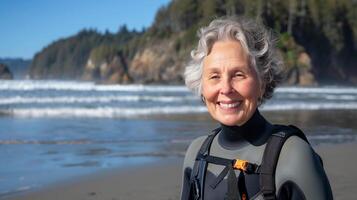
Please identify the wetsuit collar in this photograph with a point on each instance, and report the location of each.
(255, 131)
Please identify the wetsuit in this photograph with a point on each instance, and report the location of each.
(299, 173)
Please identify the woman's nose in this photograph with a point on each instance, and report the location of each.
(226, 86)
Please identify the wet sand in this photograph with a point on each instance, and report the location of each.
(161, 180)
(340, 164)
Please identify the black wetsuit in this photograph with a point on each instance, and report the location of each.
(299, 173)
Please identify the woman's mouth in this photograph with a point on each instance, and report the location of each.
(229, 105)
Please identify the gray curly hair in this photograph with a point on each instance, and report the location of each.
(255, 39)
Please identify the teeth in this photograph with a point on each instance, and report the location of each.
(229, 105)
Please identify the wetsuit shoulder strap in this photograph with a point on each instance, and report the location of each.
(271, 155)
(200, 167)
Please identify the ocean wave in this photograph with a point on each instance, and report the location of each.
(314, 139)
(105, 112)
(333, 137)
(92, 99)
(311, 90)
(310, 106)
(338, 138)
(113, 112)
(137, 98)
(88, 141)
(5, 193)
(29, 85)
(340, 97)
(46, 142)
(151, 154)
(321, 96)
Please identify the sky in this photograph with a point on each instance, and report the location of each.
(27, 26)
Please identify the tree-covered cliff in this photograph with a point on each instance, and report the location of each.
(67, 58)
(318, 40)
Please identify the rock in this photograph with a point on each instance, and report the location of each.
(301, 73)
(158, 63)
(304, 60)
(107, 71)
(17, 66)
(306, 77)
(292, 76)
(5, 73)
(89, 71)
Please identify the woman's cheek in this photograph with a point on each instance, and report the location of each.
(249, 88)
(209, 91)
(209, 94)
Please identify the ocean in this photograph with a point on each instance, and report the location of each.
(52, 131)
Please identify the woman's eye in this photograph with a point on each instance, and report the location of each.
(214, 77)
(239, 74)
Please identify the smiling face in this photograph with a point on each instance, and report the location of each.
(230, 86)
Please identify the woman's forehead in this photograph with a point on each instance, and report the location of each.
(226, 53)
(230, 62)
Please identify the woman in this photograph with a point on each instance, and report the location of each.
(235, 68)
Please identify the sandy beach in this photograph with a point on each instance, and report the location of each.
(340, 164)
(161, 180)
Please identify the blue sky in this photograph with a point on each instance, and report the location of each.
(26, 26)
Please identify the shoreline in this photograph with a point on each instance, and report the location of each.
(162, 179)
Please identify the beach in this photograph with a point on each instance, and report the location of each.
(162, 180)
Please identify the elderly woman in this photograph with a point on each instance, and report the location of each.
(234, 69)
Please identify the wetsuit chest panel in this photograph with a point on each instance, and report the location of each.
(247, 152)
(251, 184)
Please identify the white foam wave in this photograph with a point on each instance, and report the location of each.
(92, 99)
(29, 85)
(341, 97)
(112, 112)
(310, 106)
(333, 137)
(338, 138)
(105, 112)
(344, 97)
(4, 193)
(311, 90)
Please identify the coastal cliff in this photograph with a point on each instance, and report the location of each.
(318, 41)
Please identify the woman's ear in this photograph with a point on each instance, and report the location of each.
(203, 99)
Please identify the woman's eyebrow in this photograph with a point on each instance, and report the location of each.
(213, 70)
(239, 67)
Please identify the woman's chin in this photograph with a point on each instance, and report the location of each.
(231, 121)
